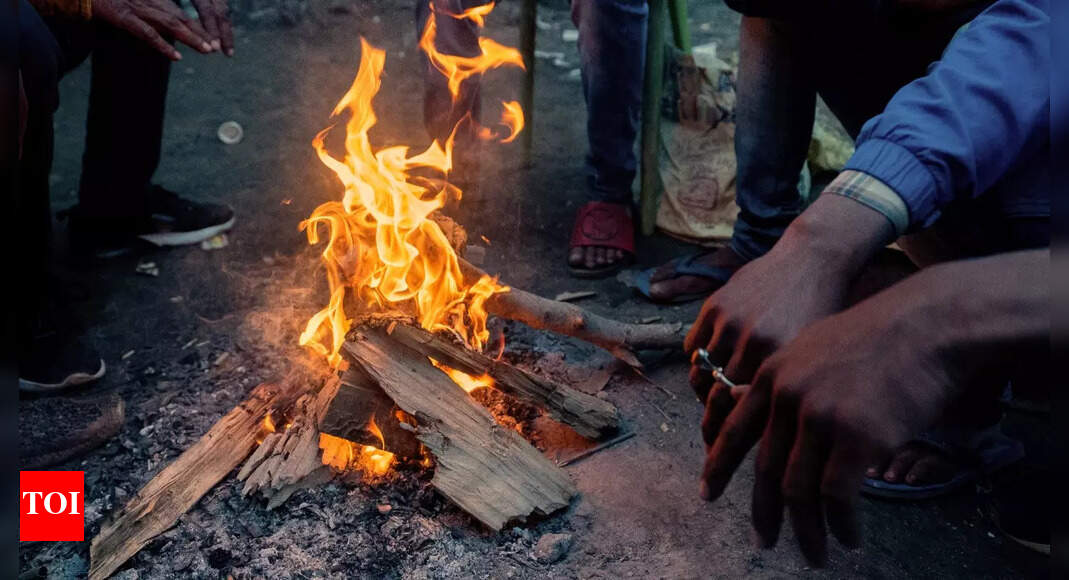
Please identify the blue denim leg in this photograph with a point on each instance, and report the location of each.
(612, 52)
(776, 99)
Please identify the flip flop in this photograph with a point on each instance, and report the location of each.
(685, 266)
(606, 225)
(985, 451)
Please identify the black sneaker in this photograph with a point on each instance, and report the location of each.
(169, 221)
(175, 221)
(52, 364)
(55, 429)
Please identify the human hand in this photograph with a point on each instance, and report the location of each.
(853, 387)
(215, 17)
(802, 279)
(149, 20)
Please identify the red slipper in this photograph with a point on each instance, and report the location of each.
(605, 225)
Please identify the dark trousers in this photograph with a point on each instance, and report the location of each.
(612, 52)
(855, 55)
(123, 135)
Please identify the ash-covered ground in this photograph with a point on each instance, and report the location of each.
(186, 346)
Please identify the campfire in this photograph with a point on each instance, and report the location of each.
(403, 331)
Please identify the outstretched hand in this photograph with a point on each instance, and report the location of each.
(853, 387)
(845, 393)
(802, 279)
(154, 20)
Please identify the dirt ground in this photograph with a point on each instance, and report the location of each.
(186, 346)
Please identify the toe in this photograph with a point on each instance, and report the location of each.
(933, 468)
(903, 461)
(575, 256)
(590, 258)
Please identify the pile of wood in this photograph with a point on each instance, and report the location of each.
(488, 470)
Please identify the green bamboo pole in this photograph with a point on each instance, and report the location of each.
(677, 10)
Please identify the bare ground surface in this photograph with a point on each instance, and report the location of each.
(183, 348)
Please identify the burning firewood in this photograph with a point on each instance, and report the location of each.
(489, 471)
(289, 458)
(363, 413)
(619, 338)
(588, 415)
(181, 484)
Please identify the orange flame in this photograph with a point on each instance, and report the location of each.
(342, 454)
(463, 379)
(382, 243)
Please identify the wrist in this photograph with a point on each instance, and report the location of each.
(837, 232)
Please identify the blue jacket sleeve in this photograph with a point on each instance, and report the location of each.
(979, 112)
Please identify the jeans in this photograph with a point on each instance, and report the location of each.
(612, 51)
(855, 56)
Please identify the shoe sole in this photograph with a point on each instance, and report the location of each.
(72, 380)
(187, 238)
(96, 434)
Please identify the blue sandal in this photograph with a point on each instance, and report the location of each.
(979, 453)
(684, 266)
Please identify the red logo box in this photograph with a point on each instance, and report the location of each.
(52, 506)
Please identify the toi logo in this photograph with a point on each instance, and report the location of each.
(51, 506)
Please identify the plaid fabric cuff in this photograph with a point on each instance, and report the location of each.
(867, 190)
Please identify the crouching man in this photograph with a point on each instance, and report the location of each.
(956, 168)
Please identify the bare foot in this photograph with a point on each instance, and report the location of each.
(916, 464)
(591, 257)
(665, 285)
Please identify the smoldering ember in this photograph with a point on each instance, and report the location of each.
(438, 316)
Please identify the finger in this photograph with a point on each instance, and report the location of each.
(802, 482)
(175, 23)
(702, 331)
(843, 474)
(740, 432)
(718, 406)
(147, 33)
(772, 457)
(226, 32)
(701, 380)
(208, 19)
(719, 348)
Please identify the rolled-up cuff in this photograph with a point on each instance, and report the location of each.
(899, 169)
(873, 193)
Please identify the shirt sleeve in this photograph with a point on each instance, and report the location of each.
(77, 8)
(978, 113)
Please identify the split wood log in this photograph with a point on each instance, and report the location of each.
(489, 471)
(363, 413)
(619, 338)
(588, 415)
(182, 483)
(290, 460)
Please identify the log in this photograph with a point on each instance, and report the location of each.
(290, 460)
(489, 471)
(182, 483)
(360, 403)
(619, 338)
(590, 416)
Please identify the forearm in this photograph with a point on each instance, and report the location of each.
(996, 307)
(840, 232)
